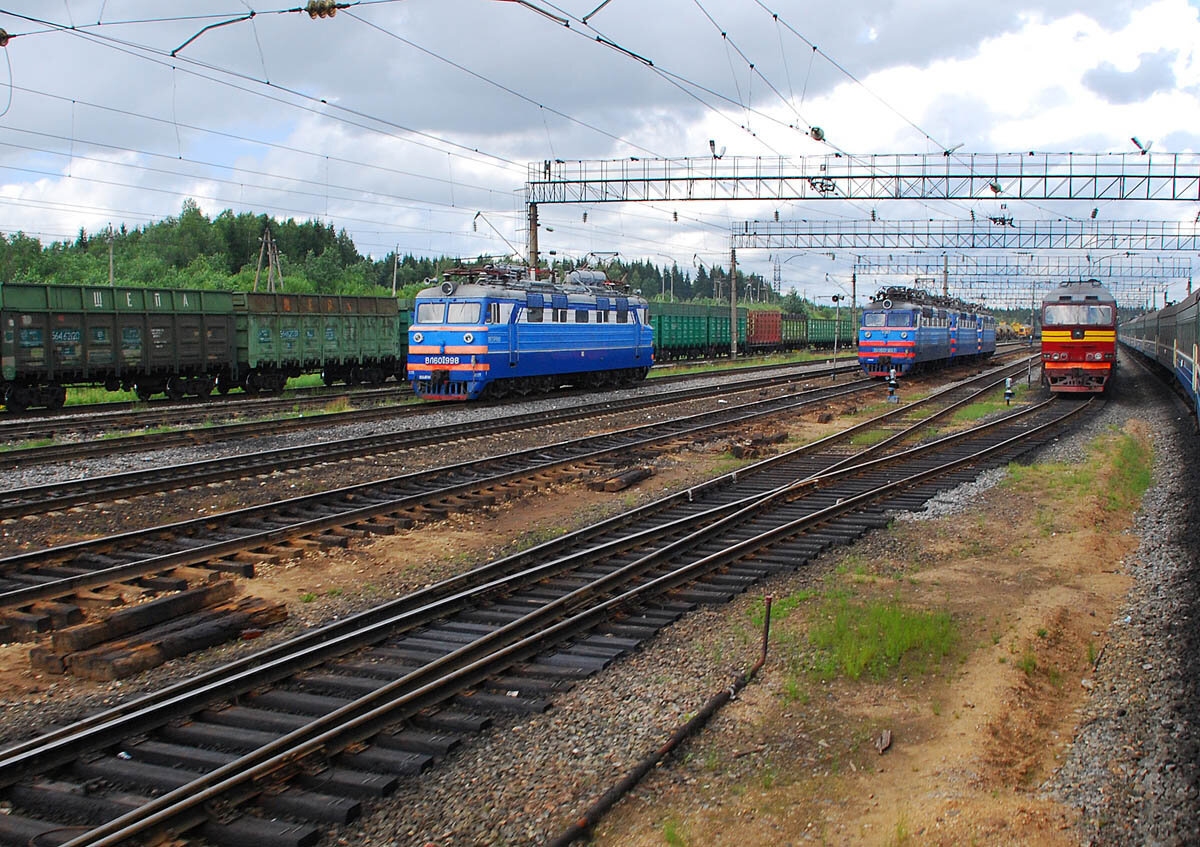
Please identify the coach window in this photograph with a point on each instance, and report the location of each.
(581, 316)
(493, 313)
(431, 313)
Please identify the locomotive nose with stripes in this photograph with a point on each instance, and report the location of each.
(1079, 337)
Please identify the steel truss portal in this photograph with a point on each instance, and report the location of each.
(999, 233)
(974, 176)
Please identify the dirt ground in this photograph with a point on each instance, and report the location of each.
(794, 759)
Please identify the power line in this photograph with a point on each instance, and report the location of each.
(500, 85)
(131, 48)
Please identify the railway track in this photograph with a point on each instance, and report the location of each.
(94, 489)
(110, 417)
(66, 452)
(372, 507)
(235, 541)
(274, 747)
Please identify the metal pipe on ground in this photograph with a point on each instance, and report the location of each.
(582, 825)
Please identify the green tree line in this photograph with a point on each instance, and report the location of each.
(191, 250)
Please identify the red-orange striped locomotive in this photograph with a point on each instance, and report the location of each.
(1079, 337)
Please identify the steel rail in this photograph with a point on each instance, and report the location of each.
(488, 655)
(342, 636)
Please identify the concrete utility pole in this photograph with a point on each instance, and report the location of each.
(533, 240)
(733, 321)
(395, 265)
(262, 248)
(110, 254)
(854, 306)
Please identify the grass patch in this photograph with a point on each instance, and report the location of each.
(307, 597)
(983, 408)
(1115, 476)
(1027, 664)
(869, 437)
(877, 638)
(672, 834)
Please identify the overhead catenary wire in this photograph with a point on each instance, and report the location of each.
(140, 51)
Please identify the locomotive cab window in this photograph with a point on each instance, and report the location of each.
(622, 316)
(1068, 314)
(464, 313)
(533, 316)
(431, 313)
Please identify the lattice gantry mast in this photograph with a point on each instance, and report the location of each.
(996, 233)
(974, 176)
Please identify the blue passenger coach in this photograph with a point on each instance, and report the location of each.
(493, 332)
(907, 329)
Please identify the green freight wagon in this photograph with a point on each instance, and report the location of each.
(821, 332)
(680, 330)
(718, 330)
(352, 339)
(145, 340)
(794, 331)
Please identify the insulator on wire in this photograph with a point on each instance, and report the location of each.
(321, 8)
(4, 38)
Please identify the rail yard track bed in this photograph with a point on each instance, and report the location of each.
(315, 690)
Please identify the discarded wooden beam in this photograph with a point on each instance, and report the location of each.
(188, 634)
(135, 618)
(621, 481)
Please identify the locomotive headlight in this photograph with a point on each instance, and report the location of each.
(468, 338)
(418, 337)
(904, 335)
(867, 334)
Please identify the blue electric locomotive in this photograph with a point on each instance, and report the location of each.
(907, 328)
(494, 332)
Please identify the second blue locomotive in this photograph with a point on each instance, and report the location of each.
(494, 332)
(907, 329)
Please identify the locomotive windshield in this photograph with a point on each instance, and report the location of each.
(431, 313)
(463, 313)
(1073, 314)
(874, 319)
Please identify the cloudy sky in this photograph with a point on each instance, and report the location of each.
(400, 120)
